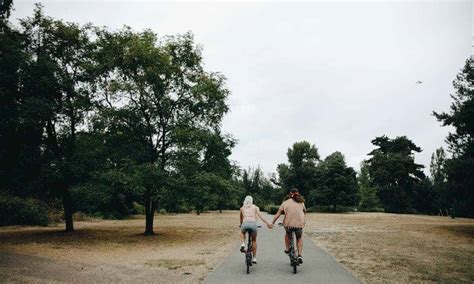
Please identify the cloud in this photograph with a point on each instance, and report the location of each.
(334, 74)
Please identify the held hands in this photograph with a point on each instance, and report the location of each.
(270, 226)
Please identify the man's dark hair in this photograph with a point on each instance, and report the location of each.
(295, 195)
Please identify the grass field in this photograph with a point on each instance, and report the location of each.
(185, 248)
(376, 247)
(380, 247)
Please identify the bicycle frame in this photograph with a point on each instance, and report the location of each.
(249, 252)
(292, 249)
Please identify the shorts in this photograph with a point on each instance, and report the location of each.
(249, 226)
(298, 231)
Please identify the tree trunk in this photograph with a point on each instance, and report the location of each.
(148, 214)
(67, 205)
(150, 207)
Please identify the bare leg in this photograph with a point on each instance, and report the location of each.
(242, 237)
(254, 245)
(299, 245)
(287, 242)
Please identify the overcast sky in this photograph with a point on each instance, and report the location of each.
(334, 74)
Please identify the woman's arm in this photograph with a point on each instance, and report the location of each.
(241, 217)
(261, 217)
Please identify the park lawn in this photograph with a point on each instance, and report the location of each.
(185, 248)
(380, 247)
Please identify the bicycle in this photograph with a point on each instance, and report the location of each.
(248, 253)
(291, 250)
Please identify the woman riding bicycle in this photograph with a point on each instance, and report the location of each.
(295, 211)
(248, 222)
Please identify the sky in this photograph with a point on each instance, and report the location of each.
(336, 74)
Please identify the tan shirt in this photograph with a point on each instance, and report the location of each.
(294, 213)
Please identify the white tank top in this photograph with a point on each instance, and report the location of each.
(249, 213)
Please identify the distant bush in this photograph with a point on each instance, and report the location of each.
(375, 209)
(162, 211)
(138, 209)
(330, 209)
(271, 209)
(18, 211)
(81, 216)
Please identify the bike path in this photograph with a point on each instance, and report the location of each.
(274, 266)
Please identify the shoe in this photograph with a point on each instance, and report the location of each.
(286, 251)
(300, 259)
(242, 248)
(254, 260)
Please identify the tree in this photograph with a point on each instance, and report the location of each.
(460, 168)
(394, 172)
(57, 82)
(253, 182)
(300, 171)
(368, 200)
(336, 183)
(443, 198)
(159, 92)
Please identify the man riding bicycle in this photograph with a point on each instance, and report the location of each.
(294, 220)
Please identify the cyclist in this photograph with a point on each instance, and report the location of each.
(248, 221)
(295, 211)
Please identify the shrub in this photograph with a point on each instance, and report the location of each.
(138, 209)
(18, 211)
(330, 209)
(162, 211)
(271, 209)
(375, 209)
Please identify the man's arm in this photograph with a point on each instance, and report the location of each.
(277, 215)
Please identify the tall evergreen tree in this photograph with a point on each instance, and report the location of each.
(394, 172)
(460, 168)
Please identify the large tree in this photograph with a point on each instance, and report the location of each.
(57, 96)
(394, 172)
(159, 91)
(336, 183)
(300, 172)
(460, 169)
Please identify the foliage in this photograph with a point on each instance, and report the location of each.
(336, 183)
(368, 199)
(158, 92)
(271, 209)
(394, 172)
(300, 172)
(460, 168)
(330, 208)
(19, 211)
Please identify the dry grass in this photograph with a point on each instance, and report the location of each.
(380, 247)
(185, 244)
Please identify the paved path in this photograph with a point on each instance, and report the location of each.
(274, 266)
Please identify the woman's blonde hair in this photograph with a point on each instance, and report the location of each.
(248, 201)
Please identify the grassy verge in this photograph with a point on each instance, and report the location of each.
(379, 247)
(185, 248)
